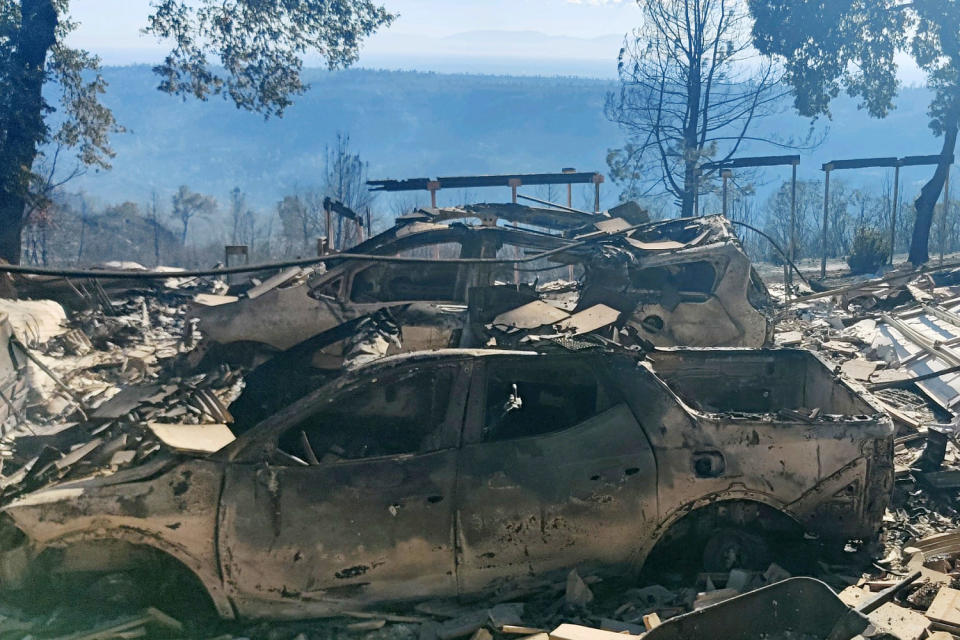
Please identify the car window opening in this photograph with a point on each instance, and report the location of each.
(383, 418)
(526, 401)
(691, 277)
(402, 282)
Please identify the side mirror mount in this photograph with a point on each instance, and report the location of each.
(514, 401)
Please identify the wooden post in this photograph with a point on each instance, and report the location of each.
(327, 212)
(826, 212)
(893, 211)
(514, 183)
(597, 181)
(433, 186)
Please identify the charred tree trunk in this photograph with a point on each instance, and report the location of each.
(691, 131)
(21, 119)
(689, 189)
(929, 194)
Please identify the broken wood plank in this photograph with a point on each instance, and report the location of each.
(273, 282)
(513, 629)
(367, 625)
(389, 617)
(651, 621)
(114, 627)
(578, 632)
(859, 369)
(788, 338)
(193, 438)
(945, 607)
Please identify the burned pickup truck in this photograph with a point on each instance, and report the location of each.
(471, 471)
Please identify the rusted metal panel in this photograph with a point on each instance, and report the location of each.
(532, 505)
(301, 541)
(173, 512)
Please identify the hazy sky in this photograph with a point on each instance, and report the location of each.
(120, 19)
(566, 37)
(111, 29)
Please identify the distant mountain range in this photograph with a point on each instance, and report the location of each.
(414, 124)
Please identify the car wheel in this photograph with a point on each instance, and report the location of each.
(731, 548)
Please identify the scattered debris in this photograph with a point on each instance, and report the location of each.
(130, 413)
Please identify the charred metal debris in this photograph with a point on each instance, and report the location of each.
(550, 425)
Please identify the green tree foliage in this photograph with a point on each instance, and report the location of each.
(259, 44)
(249, 51)
(831, 45)
(33, 53)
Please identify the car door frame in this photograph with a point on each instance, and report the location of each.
(263, 445)
(473, 435)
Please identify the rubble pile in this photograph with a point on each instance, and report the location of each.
(102, 391)
(109, 378)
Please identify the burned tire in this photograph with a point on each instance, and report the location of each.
(732, 548)
(154, 579)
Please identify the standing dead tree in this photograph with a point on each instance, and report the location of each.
(300, 223)
(691, 90)
(345, 179)
(187, 205)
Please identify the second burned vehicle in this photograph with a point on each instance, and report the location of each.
(680, 282)
(475, 471)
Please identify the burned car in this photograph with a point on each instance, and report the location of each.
(470, 471)
(679, 283)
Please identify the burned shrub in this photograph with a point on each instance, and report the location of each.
(869, 251)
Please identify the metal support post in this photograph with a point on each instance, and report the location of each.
(946, 212)
(569, 187)
(793, 224)
(237, 251)
(893, 211)
(826, 210)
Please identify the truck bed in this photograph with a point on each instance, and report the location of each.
(756, 381)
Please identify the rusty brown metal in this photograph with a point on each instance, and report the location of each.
(463, 471)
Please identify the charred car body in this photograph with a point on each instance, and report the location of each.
(681, 282)
(467, 471)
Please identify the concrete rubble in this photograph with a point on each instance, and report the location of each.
(108, 383)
